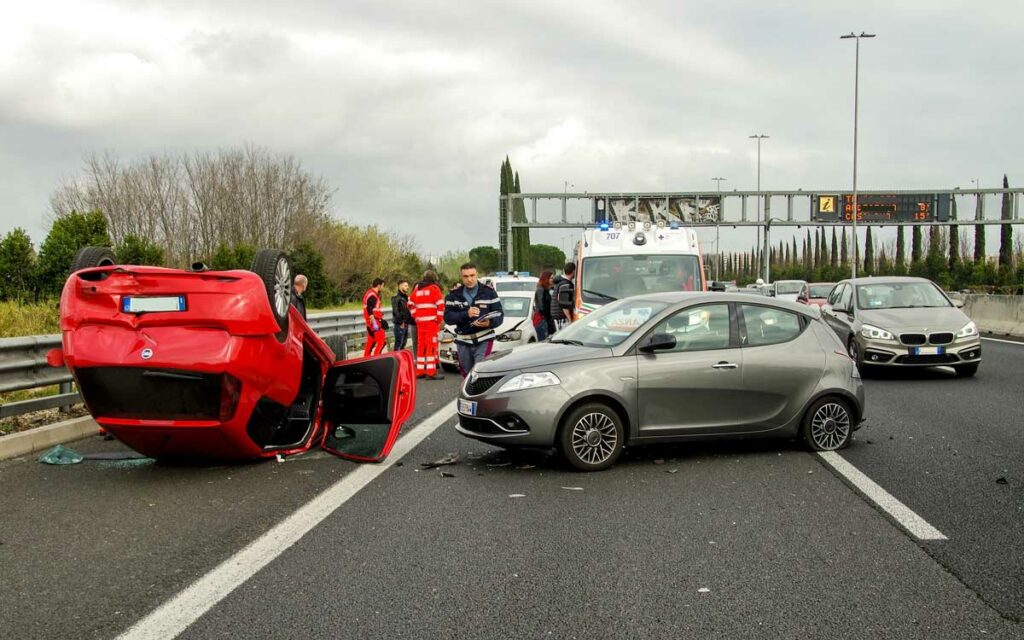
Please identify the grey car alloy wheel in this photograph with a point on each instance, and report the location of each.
(830, 426)
(594, 438)
(591, 437)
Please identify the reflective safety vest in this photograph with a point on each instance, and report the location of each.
(371, 308)
(427, 303)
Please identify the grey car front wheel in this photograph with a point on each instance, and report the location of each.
(592, 436)
(828, 425)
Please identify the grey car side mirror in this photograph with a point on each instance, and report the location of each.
(658, 342)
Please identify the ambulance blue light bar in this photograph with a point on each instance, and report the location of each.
(603, 226)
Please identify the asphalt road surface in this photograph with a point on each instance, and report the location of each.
(752, 539)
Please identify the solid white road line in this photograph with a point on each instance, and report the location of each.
(1016, 342)
(175, 615)
(910, 521)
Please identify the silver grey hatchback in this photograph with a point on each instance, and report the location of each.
(664, 368)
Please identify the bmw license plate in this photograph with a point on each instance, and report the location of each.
(467, 407)
(146, 304)
(927, 351)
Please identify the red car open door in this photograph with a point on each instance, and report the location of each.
(365, 404)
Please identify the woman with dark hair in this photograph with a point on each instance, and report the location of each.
(542, 320)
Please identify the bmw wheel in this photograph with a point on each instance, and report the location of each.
(273, 267)
(828, 425)
(591, 437)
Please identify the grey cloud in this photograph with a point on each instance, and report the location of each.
(408, 108)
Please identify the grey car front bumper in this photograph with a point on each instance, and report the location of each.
(527, 418)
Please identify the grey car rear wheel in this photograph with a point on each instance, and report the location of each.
(591, 437)
(828, 425)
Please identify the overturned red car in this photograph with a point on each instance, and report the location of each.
(218, 364)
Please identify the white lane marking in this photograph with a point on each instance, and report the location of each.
(175, 615)
(915, 524)
(1016, 342)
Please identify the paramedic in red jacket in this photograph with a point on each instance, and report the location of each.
(427, 304)
(373, 315)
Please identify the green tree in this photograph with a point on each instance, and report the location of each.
(979, 242)
(845, 252)
(1006, 234)
(935, 261)
(954, 238)
(834, 255)
(228, 257)
(17, 259)
(136, 250)
(68, 234)
(486, 259)
(901, 252)
(320, 291)
(545, 257)
(869, 253)
(916, 247)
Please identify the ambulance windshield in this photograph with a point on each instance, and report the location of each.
(608, 278)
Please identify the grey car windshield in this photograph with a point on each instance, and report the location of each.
(821, 290)
(900, 295)
(608, 278)
(517, 306)
(788, 287)
(611, 324)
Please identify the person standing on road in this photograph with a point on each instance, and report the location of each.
(543, 323)
(427, 304)
(473, 307)
(401, 315)
(373, 315)
(298, 288)
(563, 297)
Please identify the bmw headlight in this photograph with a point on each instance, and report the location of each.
(510, 336)
(530, 381)
(875, 333)
(969, 329)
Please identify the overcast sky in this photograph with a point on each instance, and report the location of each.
(408, 108)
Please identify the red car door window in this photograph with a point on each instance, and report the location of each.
(365, 404)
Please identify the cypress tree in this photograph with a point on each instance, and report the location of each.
(1006, 232)
(809, 253)
(521, 236)
(844, 251)
(954, 237)
(824, 248)
(869, 253)
(796, 256)
(817, 250)
(834, 257)
(979, 239)
(915, 245)
(901, 257)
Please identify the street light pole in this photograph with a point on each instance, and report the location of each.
(856, 102)
(718, 226)
(759, 137)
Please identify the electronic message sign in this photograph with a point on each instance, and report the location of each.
(872, 207)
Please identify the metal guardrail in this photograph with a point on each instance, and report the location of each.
(23, 362)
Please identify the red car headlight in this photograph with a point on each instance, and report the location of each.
(230, 391)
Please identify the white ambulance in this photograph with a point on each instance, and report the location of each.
(619, 260)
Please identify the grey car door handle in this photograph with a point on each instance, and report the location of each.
(725, 365)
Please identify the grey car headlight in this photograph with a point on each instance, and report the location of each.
(968, 330)
(875, 333)
(511, 336)
(530, 381)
